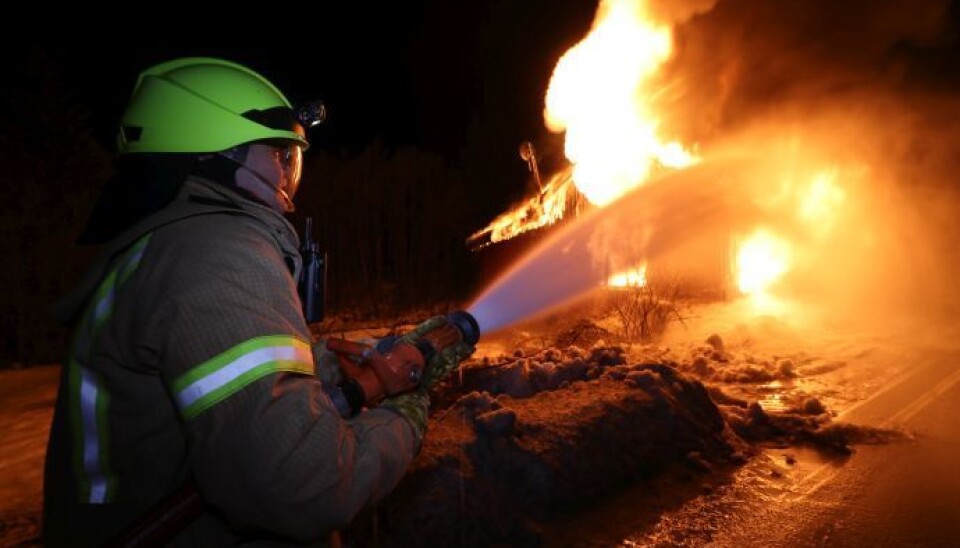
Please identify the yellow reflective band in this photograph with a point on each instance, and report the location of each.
(219, 378)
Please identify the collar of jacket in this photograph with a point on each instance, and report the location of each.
(198, 196)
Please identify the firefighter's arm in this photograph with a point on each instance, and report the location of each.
(266, 447)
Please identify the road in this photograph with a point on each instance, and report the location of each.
(902, 494)
(905, 493)
(26, 407)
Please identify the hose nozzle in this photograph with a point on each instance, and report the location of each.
(467, 324)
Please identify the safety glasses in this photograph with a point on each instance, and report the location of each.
(290, 160)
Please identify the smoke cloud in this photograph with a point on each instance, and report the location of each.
(744, 58)
(870, 89)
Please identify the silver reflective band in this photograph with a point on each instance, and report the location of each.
(103, 307)
(89, 392)
(89, 399)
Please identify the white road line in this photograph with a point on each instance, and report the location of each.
(910, 411)
(897, 381)
(899, 419)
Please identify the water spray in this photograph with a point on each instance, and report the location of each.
(644, 225)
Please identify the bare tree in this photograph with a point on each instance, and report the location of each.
(645, 310)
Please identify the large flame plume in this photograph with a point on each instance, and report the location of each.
(600, 95)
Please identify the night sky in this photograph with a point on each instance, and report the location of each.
(409, 73)
(447, 77)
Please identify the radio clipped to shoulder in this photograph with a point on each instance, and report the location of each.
(312, 285)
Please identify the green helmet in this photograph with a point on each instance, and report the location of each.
(200, 104)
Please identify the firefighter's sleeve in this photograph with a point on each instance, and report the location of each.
(266, 447)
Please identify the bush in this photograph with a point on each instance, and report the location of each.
(645, 310)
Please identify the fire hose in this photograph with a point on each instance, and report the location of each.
(395, 365)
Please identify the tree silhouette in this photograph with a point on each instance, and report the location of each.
(52, 170)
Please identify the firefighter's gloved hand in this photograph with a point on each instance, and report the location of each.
(443, 363)
(425, 327)
(327, 365)
(414, 406)
(446, 360)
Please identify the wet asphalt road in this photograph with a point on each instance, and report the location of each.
(903, 494)
(900, 494)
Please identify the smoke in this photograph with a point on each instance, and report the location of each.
(866, 88)
(744, 58)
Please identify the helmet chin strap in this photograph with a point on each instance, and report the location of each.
(284, 197)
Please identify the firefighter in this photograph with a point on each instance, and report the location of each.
(191, 362)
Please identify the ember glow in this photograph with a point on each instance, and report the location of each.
(600, 95)
(634, 277)
(762, 258)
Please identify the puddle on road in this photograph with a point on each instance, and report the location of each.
(773, 396)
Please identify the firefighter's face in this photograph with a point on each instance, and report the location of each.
(280, 167)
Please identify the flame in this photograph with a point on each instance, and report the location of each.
(761, 259)
(634, 277)
(544, 209)
(599, 94)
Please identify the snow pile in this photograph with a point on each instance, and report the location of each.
(493, 467)
(807, 422)
(28, 396)
(522, 376)
(522, 438)
(713, 361)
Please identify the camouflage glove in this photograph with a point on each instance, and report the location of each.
(443, 362)
(425, 327)
(415, 407)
